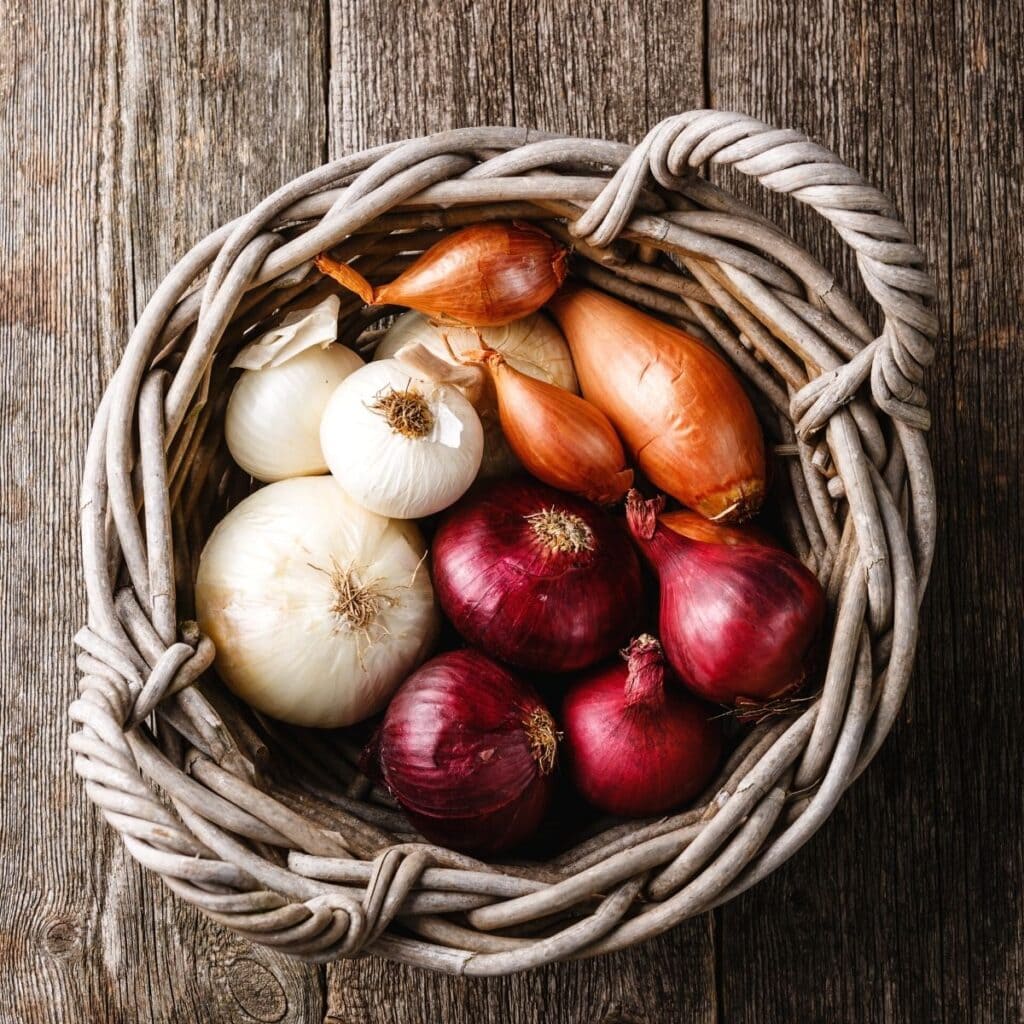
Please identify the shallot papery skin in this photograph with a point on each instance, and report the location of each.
(635, 742)
(536, 577)
(696, 527)
(559, 437)
(468, 749)
(484, 275)
(738, 622)
(677, 405)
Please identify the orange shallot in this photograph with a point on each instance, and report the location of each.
(484, 275)
(679, 408)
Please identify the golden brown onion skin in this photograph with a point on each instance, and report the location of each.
(678, 407)
(485, 275)
(559, 437)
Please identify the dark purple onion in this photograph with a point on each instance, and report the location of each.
(468, 749)
(536, 577)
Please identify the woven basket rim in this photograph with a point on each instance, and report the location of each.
(179, 770)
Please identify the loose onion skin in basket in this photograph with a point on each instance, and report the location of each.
(739, 623)
(484, 275)
(468, 749)
(635, 742)
(559, 437)
(536, 577)
(679, 408)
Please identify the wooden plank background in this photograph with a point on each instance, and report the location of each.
(131, 128)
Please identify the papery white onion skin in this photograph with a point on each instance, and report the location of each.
(533, 345)
(272, 423)
(385, 471)
(266, 595)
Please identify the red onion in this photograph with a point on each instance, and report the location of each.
(634, 746)
(537, 577)
(467, 749)
(739, 623)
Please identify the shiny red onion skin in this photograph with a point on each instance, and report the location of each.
(454, 751)
(639, 760)
(735, 621)
(507, 593)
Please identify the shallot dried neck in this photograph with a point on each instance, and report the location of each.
(561, 531)
(641, 515)
(742, 501)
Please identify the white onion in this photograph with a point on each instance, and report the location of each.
(272, 423)
(533, 345)
(401, 472)
(317, 607)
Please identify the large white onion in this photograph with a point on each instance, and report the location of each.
(318, 608)
(533, 345)
(272, 423)
(400, 446)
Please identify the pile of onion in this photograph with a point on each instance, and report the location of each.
(468, 750)
(536, 577)
(322, 598)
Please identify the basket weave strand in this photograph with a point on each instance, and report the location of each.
(280, 838)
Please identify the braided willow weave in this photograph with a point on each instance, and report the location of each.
(273, 832)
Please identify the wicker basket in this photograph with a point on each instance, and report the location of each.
(234, 812)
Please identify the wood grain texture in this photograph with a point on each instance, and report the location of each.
(496, 64)
(143, 129)
(612, 70)
(401, 70)
(151, 122)
(907, 907)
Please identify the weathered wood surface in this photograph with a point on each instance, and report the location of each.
(132, 128)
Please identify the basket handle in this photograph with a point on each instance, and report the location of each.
(787, 161)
